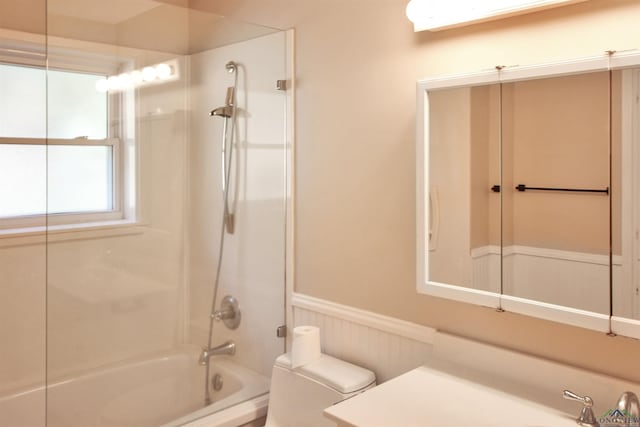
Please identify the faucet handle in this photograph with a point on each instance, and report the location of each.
(586, 417)
(586, 400)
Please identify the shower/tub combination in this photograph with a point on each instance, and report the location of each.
(160, 307)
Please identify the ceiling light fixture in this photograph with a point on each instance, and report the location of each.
(154, 74)
(435, 15)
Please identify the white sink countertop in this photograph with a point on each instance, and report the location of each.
(426, 397)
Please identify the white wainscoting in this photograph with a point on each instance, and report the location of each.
(387, 346)
(572, 279)
(485, 268)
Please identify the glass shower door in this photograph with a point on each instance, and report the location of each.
(253, 256)
(135, 208)
(116, 189)
(22, 220)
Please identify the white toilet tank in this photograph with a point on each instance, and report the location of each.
(298, 396)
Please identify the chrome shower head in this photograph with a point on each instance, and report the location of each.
(226, 111)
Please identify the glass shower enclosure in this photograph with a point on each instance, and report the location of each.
(111, 208)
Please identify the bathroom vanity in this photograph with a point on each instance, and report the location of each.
(427, 397)
(467, 383)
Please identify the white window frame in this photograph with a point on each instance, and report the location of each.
(29, 54)
(66, 218)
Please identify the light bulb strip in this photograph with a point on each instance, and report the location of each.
(434, 15)
(150, 75)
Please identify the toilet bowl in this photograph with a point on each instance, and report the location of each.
(298, 397)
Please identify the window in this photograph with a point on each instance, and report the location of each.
(59, 178)
(57, 156)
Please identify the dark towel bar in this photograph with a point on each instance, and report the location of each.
(523, 187)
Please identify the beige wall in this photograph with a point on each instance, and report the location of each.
(355, 223)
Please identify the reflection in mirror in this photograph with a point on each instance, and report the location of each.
(530, 190)
(555, 136)
(463, 226)
(626, 197)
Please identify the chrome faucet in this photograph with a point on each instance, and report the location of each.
(629, 408)
(586, 417)
(228, 348)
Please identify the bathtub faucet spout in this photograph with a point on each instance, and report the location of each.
(228, 348)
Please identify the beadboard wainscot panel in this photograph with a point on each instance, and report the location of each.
(387, 346)
(572, 279)
(485, 264)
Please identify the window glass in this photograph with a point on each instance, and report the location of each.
(76, 108)
(22, 102)
(23, 170)
(77, 178)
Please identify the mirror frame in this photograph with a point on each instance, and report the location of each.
(586, 319)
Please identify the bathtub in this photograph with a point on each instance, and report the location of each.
(163, 391)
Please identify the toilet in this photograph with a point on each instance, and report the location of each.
(298, 396)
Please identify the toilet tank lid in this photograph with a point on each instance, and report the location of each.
(341, 376)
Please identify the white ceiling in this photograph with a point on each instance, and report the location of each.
(106, 11)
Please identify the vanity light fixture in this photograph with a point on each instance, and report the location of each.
(435, 15)
(152, 74)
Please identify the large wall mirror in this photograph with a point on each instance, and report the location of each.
(529, 190)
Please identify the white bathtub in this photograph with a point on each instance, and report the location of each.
(166, 391)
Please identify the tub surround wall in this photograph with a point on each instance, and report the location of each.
(22, 316)
(110, 299)
(104, 295)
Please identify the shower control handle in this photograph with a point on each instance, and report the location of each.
(223, 314)
(229, 312)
